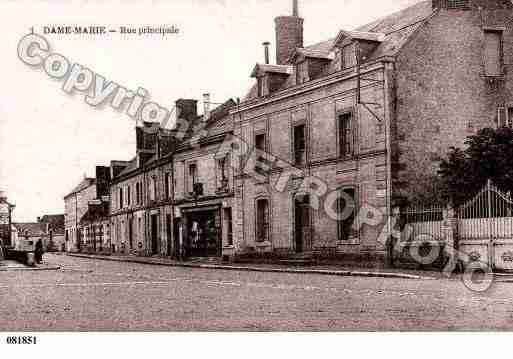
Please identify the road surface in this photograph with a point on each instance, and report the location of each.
(95, 295)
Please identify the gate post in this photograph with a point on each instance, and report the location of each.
(450, 223)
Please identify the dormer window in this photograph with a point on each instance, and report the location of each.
(270, 78)
(354, 44)
(349, 56)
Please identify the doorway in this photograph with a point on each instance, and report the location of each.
(154, 222)
(302, 223)
(203, 234)
(168, 235)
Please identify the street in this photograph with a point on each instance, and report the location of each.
(95, 295)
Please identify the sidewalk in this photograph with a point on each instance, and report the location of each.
(320, 270)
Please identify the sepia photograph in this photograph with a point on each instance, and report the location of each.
(294, 167)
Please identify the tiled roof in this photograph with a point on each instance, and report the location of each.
(392, 31)
(396, 27)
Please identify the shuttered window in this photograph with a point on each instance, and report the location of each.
(349, 56)
(493, 53)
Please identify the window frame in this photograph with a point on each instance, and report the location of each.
(353, 130)
(354, 61)
(295, 153)
(191, 181)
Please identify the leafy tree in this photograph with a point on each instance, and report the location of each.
(488, 155)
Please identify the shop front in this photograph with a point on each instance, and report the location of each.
(202, 232)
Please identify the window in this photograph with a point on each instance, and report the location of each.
(346, 135)
(193, 176)
(229, 226)
(349, 56)
(302, 72)
(168, 185)
(300, 145)
(121, 198)
(137, 193)
(128, 195)
(154, 185)
(493, 53)
(222, 173)
(346, 209)
(260, 146)
(505, 117)
(262, 220)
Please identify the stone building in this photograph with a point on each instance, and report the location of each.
(204, 186)
(6, 229)
(366, 115)
(86, 223)
(141, 213)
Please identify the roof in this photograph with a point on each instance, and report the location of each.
(132, 166)
(360, 35)
(86, 183)
(316, 54)
(390, 32)
(278, 69)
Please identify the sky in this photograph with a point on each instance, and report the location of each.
(50, 140)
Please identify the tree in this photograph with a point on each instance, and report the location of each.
(488, 155)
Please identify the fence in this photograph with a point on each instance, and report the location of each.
(481, 229)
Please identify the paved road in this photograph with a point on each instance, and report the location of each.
(110, 296)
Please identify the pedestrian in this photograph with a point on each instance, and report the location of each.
(39, 251)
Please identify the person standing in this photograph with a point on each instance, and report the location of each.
(39, 251)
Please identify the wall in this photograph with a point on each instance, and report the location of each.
(441, 94)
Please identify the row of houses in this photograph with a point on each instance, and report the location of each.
(49, 229)
(360, 120)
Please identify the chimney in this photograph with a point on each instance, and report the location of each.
(289, 35)
(266, 49)
(295, 8)
(206, 107)
(186, 109)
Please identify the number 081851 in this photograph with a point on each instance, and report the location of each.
(22, 340)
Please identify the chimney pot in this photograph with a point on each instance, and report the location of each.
(206, 107)
(266, 48)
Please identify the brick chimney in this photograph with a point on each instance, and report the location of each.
(186, 115)
(289, 34)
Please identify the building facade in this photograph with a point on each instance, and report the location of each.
(328, 134)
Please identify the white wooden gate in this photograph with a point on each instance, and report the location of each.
(485, 228)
